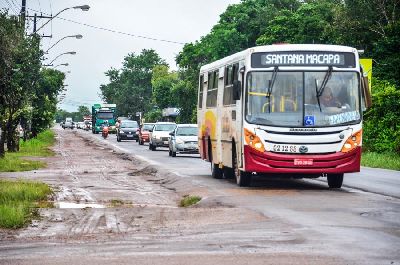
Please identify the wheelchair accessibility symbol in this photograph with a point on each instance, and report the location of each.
(309, 120)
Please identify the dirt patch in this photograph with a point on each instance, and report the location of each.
(88, 178)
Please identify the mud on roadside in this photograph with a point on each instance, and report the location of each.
(102, 194)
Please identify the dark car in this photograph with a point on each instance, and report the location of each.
(128, 130)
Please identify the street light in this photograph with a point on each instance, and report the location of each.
(79, 36)
(83, 8)
(64, 64)
(72, 53)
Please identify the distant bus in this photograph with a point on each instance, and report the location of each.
(265, 111)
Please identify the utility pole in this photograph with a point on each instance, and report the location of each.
(23, 12)
(35, 17)
(34, 22)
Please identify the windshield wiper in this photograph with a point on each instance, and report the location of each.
(320, 91)
(271, 85)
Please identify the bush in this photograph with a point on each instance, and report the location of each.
(382, 121)
(153, 115)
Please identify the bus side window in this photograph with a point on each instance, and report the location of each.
(212, 89)
(231, 74)
(201, 85)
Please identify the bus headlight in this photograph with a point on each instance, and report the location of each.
(253, 140)
(352, 142)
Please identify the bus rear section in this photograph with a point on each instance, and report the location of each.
(298, 114)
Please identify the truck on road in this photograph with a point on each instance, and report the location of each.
(102, 113)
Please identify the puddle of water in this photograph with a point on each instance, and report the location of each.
(73, 205)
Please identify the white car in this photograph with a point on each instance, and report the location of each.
(184, 140)
(159, 135)
(80, 125)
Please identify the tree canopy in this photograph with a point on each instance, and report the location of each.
(369, 25)
(130, 87)
(28, 92)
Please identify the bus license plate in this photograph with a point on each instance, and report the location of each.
(303, 162)
(284, 148)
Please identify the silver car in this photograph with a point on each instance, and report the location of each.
(159, 135)
(184, 140)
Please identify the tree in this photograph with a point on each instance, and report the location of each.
(20, 66)
(162, 82)
(44, 101)
(186, 97)
(83, 111)
(130, 87)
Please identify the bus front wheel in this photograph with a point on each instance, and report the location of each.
(243, 178)
(335, 181)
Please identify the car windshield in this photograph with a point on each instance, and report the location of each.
(299, 99)
(129, 124)
(147, 127)
(186, 131)
(164, 127)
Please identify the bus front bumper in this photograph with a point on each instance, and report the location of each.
(268, 162)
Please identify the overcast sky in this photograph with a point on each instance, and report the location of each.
(179, 21)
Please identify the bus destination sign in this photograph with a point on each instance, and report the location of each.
(303, 58)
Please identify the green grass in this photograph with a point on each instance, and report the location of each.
(116, 203)
(189, 200)
(38, 146)
(381, 160)
(18, 200)
(13, 161)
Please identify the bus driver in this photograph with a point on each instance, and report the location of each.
(328, 100)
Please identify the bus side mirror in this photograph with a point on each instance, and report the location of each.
(366, 93)
(237, 85)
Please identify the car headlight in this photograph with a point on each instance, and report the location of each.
(121, 131)
(179, 141)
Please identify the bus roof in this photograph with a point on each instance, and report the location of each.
(275, 48)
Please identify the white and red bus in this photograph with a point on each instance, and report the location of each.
(291, 110)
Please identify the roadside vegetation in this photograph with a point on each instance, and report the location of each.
(35, 147)
(19, 201)
(28, 90)
(189, 200)
(381, 160)
(116, 203)
(146, 84)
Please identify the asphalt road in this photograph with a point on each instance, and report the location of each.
(275, 221)
(374, 180)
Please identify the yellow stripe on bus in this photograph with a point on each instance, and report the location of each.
(258, 94)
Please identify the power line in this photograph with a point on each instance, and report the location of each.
(114, 31)
(11, 7)
(17, 7)
(120, 32)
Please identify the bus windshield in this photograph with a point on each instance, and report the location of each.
(105, 115)
(303, 98)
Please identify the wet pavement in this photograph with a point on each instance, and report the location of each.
(113, 207)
